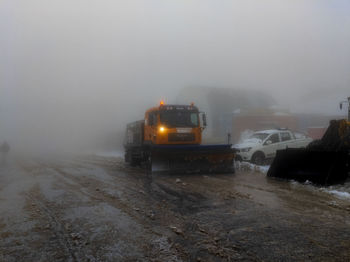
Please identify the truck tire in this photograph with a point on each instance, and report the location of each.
(127, 156)
(133, 162)
(131, 159)
(258, 158)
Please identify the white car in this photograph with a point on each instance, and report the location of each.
(263, 145)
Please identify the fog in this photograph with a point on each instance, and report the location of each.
(73, 73)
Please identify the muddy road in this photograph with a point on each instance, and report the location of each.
(94, 208)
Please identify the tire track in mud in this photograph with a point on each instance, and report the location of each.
(155, 191)
(56, 227)
(88, 187)
(144, 216)
(95, 194)
(181, 205)
(184, 203)
(156, 246)
(193, 222)
(179, 219)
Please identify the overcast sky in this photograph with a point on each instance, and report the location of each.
(88, 65)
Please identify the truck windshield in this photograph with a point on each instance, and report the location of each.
(179, 119)
(260, 136)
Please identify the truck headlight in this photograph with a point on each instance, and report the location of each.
(246, 149)
(162, 129)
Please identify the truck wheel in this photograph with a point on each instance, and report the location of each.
(149, 162)
(258, 158)
(127, 157)
(134, 161)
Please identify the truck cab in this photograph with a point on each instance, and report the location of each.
(173, 124)
(169, 139)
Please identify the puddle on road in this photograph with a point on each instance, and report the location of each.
(260, 189)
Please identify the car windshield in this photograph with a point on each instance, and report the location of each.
(179, 119)
(260, 136)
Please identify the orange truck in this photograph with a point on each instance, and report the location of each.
(169, 139)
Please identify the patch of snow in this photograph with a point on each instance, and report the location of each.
(267, 131)
(307, 182)
(264, 169)
(251, 167)
(340, 191)
(340, 194)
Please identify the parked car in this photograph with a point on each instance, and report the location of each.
(263, 144)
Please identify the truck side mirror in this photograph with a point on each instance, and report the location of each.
(204, 118)
(341, 106)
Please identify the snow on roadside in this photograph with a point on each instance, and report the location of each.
(340, 194)
(339, 191)
(246, 166)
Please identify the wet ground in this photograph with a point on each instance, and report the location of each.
(94, 208)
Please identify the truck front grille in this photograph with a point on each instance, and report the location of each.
(181, 137)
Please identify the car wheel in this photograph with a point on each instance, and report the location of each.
(258, 158)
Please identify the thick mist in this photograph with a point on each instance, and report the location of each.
(73, 73)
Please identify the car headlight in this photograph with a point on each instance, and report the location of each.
(246, 149)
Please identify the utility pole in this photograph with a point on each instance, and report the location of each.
(349, 108)
(348, 102)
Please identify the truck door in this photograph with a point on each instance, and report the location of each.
(151, 127)
(271, 145)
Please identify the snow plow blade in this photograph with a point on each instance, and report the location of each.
(320, 167)
(192, 158)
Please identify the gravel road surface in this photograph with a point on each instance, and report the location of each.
(95, 208)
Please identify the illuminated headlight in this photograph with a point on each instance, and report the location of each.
(246, 149)
(162, 129)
